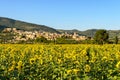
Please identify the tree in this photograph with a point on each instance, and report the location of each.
(101, 36)
(41, 40)
(116, 40)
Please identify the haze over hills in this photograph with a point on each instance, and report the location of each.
(7, 22)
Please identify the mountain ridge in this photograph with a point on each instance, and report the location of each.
(22, 25)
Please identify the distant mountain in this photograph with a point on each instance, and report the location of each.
(11, 23)
(70, 31)
(113, 33)
(91, 32)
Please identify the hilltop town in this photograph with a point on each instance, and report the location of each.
(21, 35)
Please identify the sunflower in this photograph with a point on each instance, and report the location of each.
(87, 68)
(32, 60)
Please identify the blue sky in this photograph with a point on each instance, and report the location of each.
(65, 14)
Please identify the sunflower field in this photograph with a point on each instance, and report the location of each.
(59, 62)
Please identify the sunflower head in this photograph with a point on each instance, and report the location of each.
(32, 60)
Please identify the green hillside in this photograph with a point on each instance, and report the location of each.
(7, 22)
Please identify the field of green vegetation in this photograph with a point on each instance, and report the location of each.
(59, 62)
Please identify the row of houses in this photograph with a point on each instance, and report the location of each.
(25, 35)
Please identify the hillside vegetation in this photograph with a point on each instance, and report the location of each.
(7, 22)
